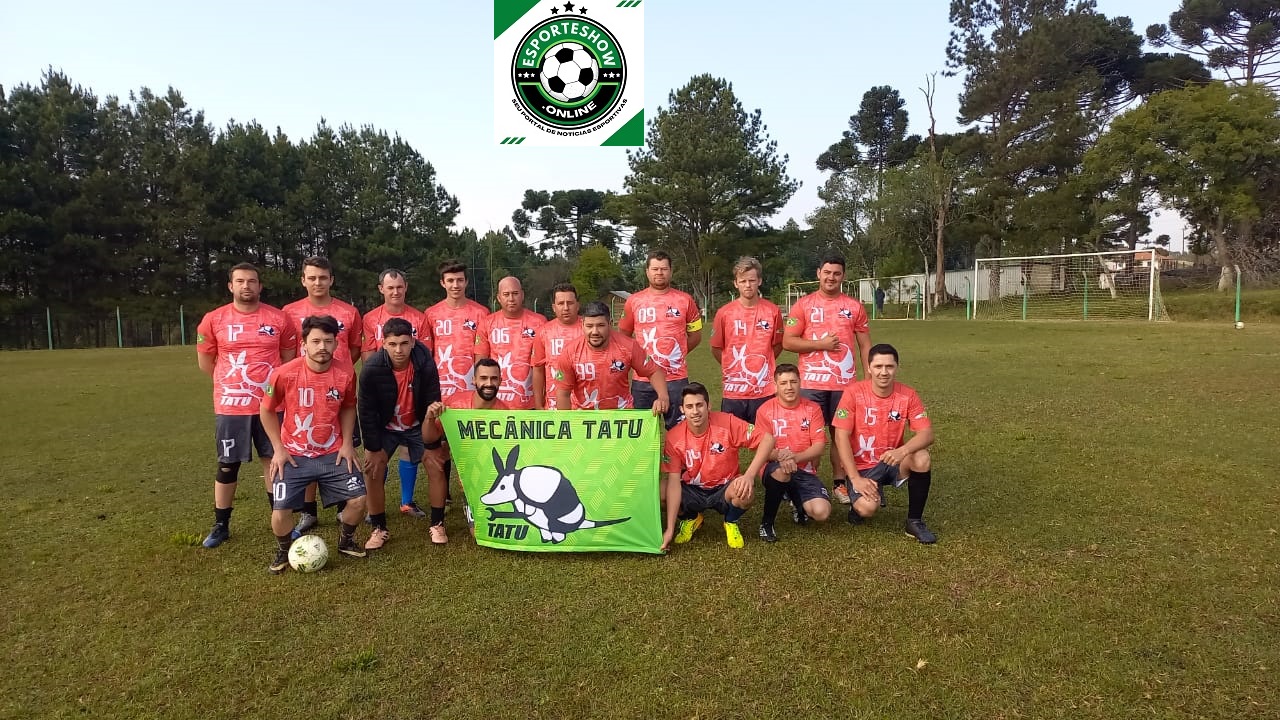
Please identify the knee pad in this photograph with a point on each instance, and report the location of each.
(228, 473)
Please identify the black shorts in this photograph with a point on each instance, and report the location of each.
(644, 396)
(336, 482)
(410, 439)
(883, 473)
(828, 400)
(236, 435)
(694, 499)
(807, 485)
(744, 409)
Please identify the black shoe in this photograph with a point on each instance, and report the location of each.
(855, 518)
(884, 497)
(798, 515)
(767, 534)
(918, 530)
(218, 535)
(349, 547)
(280, 564)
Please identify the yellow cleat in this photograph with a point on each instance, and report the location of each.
(733, 535)
(686, 528)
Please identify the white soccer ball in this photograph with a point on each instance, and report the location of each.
(569, 72)
(1239, 326)
(308, 554)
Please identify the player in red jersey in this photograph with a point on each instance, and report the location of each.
(394, 288)
(750, 329)
(237, 345)
(317, 278)
(592, 372)
(668, 325)
(509, 336)
(553, 338)
(453, 328)
(317, 399)
(484, 396)
(879, 411)
(700, 459)
(829, 331)
(800, 435)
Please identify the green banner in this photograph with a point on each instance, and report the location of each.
(565, 481)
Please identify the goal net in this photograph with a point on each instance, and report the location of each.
(893, 298)
(797, 290)
(1120, 285)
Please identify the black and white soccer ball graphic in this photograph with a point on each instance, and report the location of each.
(569, 72)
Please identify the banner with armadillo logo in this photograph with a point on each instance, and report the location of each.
(565, 481)
(566, 74)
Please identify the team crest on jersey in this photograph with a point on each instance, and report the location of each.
(845, 313)
(791, 321)
(764, 325)
(617, 366)
(673, 312)
(469, 324)
(268, 330)
(341, 326)
(558, 375)
(894, 416)
(717, 448)
(528, 332)
(804, 424)
(333, 394)
(842, 413)
(199, 338)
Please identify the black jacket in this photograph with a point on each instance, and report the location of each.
(377, 395)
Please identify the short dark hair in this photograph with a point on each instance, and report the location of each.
(596, 309)
(396, 326)
(831, 259)
(695, 388)
(882, 349)
(393, 273)
(323, 323)
(656, 255)
(244, 266)
(488, 362)
(564, 287)
(318, 262)
(452, 265)
(785, 368)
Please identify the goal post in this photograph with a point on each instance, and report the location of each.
(1116, 285)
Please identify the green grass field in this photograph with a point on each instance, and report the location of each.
(1106, 497)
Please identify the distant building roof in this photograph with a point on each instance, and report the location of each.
(621, 294)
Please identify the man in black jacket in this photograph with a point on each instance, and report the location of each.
(397, 383)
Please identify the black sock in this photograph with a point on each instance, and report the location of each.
(348, 531)
(222, 516)
(735, 514)
(918, 493)
(283, 542)
(271, 501)
(773, 492)
(309, 507)
(437, 515)
(378, 520)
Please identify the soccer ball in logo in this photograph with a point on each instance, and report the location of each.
(569, 72)
(308, 554)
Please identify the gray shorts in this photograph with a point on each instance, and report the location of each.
(235, 435)
(336, 482)
(694, 499)
(744, 410)
(410, 439)
(828, 400)
(807, 485)
(645, 396)
(883, 473)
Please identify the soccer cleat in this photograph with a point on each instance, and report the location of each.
(349, 547)
(412, 510)
(733, 535)
(884, 498)
(377, 539)
(841, 493)
(854, 518)
(306, 521)
(767, 534)
(798, 515)
(918, 530)
(280, 564)
(686, 528)
(437, 534)
(218, 535)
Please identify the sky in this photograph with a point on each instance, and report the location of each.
(424, 69)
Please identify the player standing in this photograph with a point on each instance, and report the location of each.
(592, 372)
(552, 339)
(750, 329)
(668, 325)
(237, 345)
(878, 411)
(800, 437)
(314, 444)
(823, 328)
(508, 336)
(394, 288)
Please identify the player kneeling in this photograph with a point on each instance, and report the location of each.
(879, 411)
(318, 401)
(799, 432)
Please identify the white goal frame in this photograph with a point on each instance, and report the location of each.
(1107, 268)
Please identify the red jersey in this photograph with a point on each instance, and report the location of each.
(796, 429)
(711, 459)
(403, 418)
(660, 322)
(746, 337)
(552, 339)
(814, 316)
(877, 423)
(510, 341)
(312, 403)
(350, 330)
(453, 334)
(248, 346)
(602, 378)
(379, 316)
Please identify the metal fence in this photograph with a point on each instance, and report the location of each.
(49, 328)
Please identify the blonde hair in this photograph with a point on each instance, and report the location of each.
(745, 263)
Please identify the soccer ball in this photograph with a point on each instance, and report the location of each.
(569, 72)
(1239, 326)
(308, 554)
